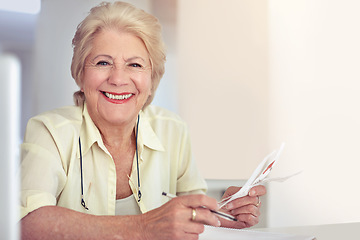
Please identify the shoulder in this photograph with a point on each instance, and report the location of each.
(168, 126)
(60, 120)
(154, 113)
(61, 115)
(160, 116)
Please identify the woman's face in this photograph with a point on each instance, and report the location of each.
(117, 78)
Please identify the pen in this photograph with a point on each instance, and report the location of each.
(221, 214)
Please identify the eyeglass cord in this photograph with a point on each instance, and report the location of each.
(137, 163)
(82, 184)
(137, 157)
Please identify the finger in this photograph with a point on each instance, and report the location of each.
(240, 202)
(248, 209)
(190, 236)
(198, 200)
(204, 216)
(248, 219)
(190, 232)
(194, 228)
(259, 190)
(230, 191)
(201, 204)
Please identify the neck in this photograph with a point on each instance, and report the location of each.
(119, 137)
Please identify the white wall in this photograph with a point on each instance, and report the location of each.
(52, 82)
(314, 106)
(223, 83)
(255, 73)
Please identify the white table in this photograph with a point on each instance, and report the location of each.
(343, 231)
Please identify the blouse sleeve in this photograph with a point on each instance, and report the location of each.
(42, 173)
(190, 180)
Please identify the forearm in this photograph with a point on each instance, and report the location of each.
(171, 221)
(60, 223)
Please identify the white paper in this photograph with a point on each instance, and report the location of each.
(219, 233)
(259, 176)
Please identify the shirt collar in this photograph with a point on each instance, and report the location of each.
(89, 134)
(147, 136)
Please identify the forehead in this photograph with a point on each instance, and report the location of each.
(118, 45)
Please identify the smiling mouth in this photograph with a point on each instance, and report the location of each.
(117, 97)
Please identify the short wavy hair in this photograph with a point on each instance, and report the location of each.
(123, 17)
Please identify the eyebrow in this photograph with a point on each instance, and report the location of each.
(126, 60)
(101, 55)
(134, 58)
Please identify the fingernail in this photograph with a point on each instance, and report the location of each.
(219, 223)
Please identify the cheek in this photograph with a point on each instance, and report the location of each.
(90, 82)
(143, 84)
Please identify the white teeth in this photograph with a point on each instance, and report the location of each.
(117, 97)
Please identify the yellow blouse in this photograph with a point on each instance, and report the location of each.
(50, 165)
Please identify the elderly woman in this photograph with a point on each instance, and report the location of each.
(97, 170)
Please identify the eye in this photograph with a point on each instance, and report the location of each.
(135, 65)
(103, 63)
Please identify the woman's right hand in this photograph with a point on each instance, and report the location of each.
(174, 220)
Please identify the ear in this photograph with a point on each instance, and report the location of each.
(151, 89)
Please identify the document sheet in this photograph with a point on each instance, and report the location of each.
(219, 233)
(259, 176)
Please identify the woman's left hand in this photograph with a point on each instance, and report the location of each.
(246, 209)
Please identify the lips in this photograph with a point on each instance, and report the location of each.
(117, 96)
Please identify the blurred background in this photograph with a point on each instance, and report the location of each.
(245, 75)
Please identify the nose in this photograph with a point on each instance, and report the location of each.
(118, 76)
